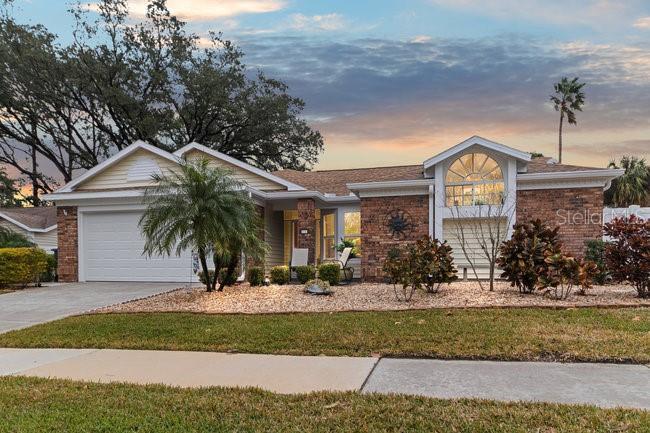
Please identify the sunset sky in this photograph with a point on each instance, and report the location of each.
(394, 82)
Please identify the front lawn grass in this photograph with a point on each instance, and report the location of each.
(588, 334)
(40, 405)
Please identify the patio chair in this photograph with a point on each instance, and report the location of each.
(344, 258)
(299, 257)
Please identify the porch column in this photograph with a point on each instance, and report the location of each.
(307, 226)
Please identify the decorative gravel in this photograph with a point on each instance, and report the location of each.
(365, 297)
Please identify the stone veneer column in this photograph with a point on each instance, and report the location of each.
(307, 226)
(68, 244)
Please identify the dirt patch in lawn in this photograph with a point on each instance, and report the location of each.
(365, 297)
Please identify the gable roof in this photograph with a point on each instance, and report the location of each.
(493, 145)
(234, 161)
(33, 219)
(69, 187)
(335, 181)
(544, 164)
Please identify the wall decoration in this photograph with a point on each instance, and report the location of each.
(399, 224)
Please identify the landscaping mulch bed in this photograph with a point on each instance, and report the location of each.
(365, 297)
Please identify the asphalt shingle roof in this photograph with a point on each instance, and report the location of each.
(32, 217)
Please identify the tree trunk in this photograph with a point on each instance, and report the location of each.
(232, 264)
(218, 264)
(560, 137)
(34, 175)
(204, 268)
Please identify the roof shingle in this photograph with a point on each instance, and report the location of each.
(32, 217)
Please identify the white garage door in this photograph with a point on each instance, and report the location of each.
(112, 251)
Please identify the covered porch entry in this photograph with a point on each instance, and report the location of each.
(317, 225)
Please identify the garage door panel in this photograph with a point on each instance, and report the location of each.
(113, 251)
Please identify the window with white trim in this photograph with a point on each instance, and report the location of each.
(474, 179)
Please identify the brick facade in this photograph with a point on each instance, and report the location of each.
(307, 226)
(577, 211)
(68, 243)
(376, 236)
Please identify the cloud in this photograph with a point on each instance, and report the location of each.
(206, 10)
(401, 101)
(642, 23)
(567, 12)
(328, 22)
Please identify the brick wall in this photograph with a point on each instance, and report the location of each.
(376, 237)
(68, 242)
(577, 211)
(307, 226)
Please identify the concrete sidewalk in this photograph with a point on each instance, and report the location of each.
(604, 385)
(277, 373)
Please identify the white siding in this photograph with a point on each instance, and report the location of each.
(451, 233)
(6, 224)
(48, 240)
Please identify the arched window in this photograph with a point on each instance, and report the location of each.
(474, 179)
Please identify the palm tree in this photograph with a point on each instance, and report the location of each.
(568, 98)
(632, 187)
(205, 209)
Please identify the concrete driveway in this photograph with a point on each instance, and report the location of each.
(28, 307)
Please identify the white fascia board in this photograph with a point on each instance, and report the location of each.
(243, 165)
(611, 173)
(390, 184)
(69, 187)
(24, 227)
(497, 147)
(568, 179)
(288, 195)
(81, 195)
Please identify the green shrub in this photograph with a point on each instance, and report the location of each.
(426, 265)
(227, 279)
(330, 272)
(22, 266)
(595, 253)
(50, 273)
(202, 276)
(348, 243)
(305, 273)
(280, 275)
(561, 273)
(255, 276)
(12, 239)
(523, 256)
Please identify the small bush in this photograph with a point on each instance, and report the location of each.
(227, 279)
(347, 243)
(201, 276)
(426, 265)
(280, 275)
(50, 273)
(522, 256)
(22, 266)
(561, 273)
(628, 254)
(595, 253)
(330, 272)
(305, 273)
(12, 239)
(255, 276)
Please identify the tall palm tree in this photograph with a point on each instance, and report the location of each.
(632, 187)
(202, 208)
(568, 98)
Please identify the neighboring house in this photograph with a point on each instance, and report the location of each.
(38, 224)
(377, 208)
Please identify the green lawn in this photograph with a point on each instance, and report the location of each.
(608, 335)
(40, 405)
